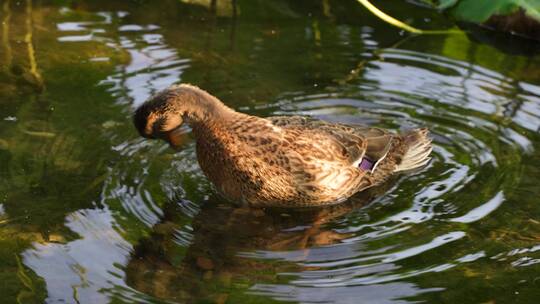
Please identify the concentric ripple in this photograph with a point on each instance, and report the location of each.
(159, 232)
(476, 162)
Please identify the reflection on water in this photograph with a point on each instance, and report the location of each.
(79, 268)
(223, 244)
(99, 215)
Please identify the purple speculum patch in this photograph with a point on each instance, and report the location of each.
(366, 164)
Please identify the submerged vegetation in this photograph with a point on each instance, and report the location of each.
(90, 213)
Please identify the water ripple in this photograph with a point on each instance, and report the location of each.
(181, 237)
(457, 101)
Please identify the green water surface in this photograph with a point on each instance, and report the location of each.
(92, 213)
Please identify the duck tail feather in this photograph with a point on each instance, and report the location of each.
(418, 150)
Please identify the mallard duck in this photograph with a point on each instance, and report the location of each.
(286, 161)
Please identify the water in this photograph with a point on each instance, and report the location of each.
(91, 213)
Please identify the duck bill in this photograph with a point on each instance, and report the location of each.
(176, 138)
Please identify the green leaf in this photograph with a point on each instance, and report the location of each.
(479, 11)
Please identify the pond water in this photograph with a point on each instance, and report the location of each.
(91, 213)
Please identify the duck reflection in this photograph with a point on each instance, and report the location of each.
(221, 255)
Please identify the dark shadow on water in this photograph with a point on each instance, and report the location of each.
(511, 44)
(216, 260)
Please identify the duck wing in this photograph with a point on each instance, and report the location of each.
(361, 145)
(314, 135)
(379, 142)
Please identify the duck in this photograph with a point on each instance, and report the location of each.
(280, 161)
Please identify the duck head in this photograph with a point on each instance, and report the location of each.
(162, 115)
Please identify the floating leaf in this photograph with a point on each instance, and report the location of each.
(513, 16)
(479, 11)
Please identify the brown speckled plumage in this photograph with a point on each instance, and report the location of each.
(288, 161)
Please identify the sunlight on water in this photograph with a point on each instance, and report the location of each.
(86, 266)
(103, 215)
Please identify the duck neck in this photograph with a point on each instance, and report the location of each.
(204, 111)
